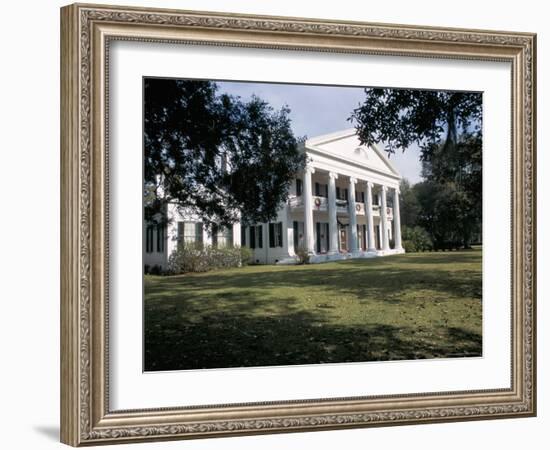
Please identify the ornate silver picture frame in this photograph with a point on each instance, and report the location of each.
(87, 32)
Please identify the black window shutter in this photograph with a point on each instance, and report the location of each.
(318, 229)
(280, 234)
(252, 237)
(260, 236)
(338, 193)
(243, 235)
(160, 238)
(181, 226)
(198, 232)
(271, 235)
(149, 239)
(316, 189)
(295, 228)
(345, 194)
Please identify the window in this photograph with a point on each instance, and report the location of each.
(190, 232)
(321, 237)
(360, 196)
(222, 236)
(298, 228)
(198, 232)
(341, 194)
(149, 239)
(298, 186)
(160, 238)
(276, 234)
(321, 190)
(215, 236)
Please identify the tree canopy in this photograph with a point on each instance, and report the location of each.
(225, 158)
(447, 127)
(402, 117)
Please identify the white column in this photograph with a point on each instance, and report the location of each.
(371, 247)
(396, 220)
(332, 220)
(352, 216)
(288, 232)
(237, 234)
(384, 219)
(308, 211)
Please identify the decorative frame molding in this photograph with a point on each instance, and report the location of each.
(86, 31)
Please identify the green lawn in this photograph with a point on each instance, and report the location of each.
(412, 306)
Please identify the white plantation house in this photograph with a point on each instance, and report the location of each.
(345, 204)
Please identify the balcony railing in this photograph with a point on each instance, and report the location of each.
(295, 201)
(321, 204)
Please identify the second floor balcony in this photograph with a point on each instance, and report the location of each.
(319, 203)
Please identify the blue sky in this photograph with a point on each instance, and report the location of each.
(317, 110)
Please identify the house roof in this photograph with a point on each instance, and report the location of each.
(345, 146)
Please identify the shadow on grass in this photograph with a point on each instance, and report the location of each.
(368, 279)
(293, 338)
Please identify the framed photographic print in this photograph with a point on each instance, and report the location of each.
(279, 224)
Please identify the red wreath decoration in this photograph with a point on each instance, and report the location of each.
(357, 208)
(317, 202)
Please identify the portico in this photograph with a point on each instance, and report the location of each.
(344, 204)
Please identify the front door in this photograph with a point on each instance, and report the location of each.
(343, 239)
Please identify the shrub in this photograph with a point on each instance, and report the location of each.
(202, 258)
(224, 257)
(246, 256)
(152, 270)
(303, 255)
(416, 239)
(409, 246)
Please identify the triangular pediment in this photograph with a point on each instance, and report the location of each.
(345, 146)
